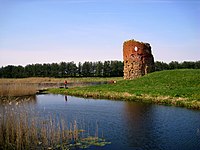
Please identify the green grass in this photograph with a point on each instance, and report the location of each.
(173, 87)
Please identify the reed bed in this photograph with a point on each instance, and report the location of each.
(22, 128)
(58, 80)
(17, 89)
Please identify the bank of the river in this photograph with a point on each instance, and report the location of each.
(174, 87)
(39, 80)
(31, 86)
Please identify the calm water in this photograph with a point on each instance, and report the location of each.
(128, 125)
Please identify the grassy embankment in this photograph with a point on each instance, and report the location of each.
(174, 87)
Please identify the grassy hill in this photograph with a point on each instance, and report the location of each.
(173, 87)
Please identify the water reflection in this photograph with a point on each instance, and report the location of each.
(17, 105)
(139, 119)
(161, 127)
(21, 100)
(65, 97)
(127, 125)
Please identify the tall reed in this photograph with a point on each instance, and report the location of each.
(57, 80)
(17, 89)
(22, 128)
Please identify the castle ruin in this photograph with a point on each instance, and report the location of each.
(138, 59)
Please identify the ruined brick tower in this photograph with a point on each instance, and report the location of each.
(138, 59)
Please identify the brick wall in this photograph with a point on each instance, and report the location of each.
(138, 59)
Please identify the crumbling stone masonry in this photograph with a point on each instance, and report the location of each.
(138, 59)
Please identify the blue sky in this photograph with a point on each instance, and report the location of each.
(46, 31)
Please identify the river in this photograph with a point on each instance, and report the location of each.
(127, 125)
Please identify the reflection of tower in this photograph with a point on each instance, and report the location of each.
(140, 121)
(138, 59)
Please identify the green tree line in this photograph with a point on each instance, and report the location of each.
(86, 69)
(65, 69)
(159, 66)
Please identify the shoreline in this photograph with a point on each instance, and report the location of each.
(144, 98)
(171, 87)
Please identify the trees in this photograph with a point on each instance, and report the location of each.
(99, 69)
(197, 65)
(63, 69)
(29, 71)
(106, 69)
(11, 71)
(87, 69)
(54, 67)
(39, 70)
(71, 69)
(18, 72)
(188, 64)
(161, 66)
(79, 69)
(116, 68)
(47, 70)
(174, 65)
